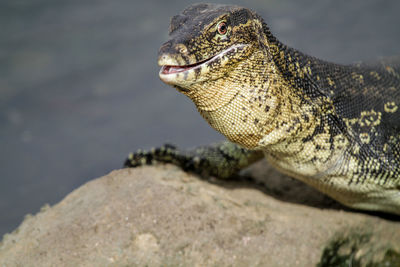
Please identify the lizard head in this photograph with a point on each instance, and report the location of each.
(206, 42)
(219, 57)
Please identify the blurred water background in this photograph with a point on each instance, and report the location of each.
(79, 85)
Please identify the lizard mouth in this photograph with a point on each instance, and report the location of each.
(172, 69)
(184, 75)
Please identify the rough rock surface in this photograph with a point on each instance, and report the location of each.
(160, 215)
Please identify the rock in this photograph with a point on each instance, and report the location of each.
(160, 215)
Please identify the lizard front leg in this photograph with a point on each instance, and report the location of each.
(221, 160)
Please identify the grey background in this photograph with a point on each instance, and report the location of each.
(79, 85)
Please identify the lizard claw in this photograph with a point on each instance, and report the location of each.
(165, 154)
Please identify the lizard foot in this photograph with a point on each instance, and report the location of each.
(220, 160)
(167, 153)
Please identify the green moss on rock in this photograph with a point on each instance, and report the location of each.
(358, 250)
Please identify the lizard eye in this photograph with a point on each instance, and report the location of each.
(222, 29)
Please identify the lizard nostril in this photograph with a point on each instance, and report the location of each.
(181, 48)
(162, 59)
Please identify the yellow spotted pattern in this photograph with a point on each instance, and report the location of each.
(331, 126)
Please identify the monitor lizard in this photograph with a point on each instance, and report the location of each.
(335, 127)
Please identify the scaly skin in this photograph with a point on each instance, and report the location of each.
(332, 126)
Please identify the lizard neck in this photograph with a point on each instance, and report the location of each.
(308, 138)
(251, 101)
(263, 105)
